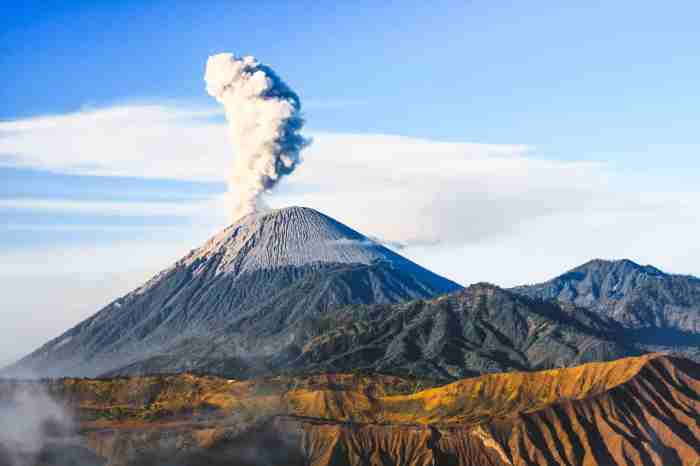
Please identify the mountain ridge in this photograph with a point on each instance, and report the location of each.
(476, 330)
(640, 410)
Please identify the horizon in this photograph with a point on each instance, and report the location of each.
(506, 145)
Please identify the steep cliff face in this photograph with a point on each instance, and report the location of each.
(634, 411)
(232, 306)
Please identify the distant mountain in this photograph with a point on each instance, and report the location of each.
(234, 303)
(657, 309)
(478, 330)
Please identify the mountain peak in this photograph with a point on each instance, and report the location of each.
(292, 236)
(618, 265)
(254, 290)
(637, 296)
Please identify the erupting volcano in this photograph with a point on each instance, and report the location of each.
(291, 338)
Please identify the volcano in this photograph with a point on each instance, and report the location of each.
(241, 304)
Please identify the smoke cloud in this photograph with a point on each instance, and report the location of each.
(32, 427)
(264, 121)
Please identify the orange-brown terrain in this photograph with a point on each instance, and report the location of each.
(633, 411)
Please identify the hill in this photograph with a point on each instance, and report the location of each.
(634, 411)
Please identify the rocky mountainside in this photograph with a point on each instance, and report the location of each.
(477, 330)
(633, 411)
(232, 304)
(659, 310)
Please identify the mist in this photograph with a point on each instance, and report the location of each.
(37, 430)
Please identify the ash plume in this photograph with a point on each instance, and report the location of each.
(264, 122)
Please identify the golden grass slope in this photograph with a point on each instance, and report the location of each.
(469, 401)
(633, 411)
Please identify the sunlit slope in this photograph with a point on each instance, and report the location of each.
(642, 410)
(468, 401)
(345, 397)
(653, 418)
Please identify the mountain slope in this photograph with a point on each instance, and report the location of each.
(659, 310)
(232, 303)
(632, 411)
(480, 329)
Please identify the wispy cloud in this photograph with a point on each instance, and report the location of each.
(152, 141)
(147, 209)
(402, 189)
(398, 188)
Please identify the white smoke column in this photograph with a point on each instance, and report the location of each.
(264, 119)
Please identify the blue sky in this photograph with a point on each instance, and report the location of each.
(582, 118)
(551, 74)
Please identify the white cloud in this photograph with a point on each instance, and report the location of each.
(401, 189)
(545, 247)
(398, 188)
(413, 190)
(151, 141)
(189, 208)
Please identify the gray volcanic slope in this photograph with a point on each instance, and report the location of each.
(238, 302)
(657, 310)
